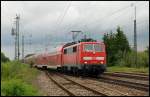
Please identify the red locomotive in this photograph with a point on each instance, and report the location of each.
(82, 57)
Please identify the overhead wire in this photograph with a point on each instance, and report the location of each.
(117, 11)
(108, 15)
(62, 16)
(111, 14)
(85, 25)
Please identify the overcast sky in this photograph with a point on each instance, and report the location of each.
(48, 23)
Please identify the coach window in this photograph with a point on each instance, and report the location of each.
(69, 50)
(44, 58)
(74, 49)
(65, 51)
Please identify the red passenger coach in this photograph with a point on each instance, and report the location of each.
(51, 59)
(82, 57)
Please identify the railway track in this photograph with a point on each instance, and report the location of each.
(143, 74)
(116, 78)
(108, 88)
(91, 86)
(129, 84)
(71, 87)
(120, 78)
(129, 75)
(139, 86)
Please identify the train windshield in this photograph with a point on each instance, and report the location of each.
(88, 47)
(92, 47)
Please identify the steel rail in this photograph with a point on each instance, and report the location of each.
(138, 86)
(96, 90)
(59, 85)
(139, 77)
(142, 74)
(81, 85)
(125, 83)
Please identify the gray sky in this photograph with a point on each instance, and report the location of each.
(50, 22)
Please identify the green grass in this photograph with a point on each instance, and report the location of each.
(127, 69)
(17, 87)
(16, 79)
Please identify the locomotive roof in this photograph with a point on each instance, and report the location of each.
(74, 43)
(58, 48)
(29, 55)
(87, 40)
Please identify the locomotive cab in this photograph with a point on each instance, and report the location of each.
(93, 57)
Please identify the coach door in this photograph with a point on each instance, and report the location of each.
(70, 56)
(75, 53)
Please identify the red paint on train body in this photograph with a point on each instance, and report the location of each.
(83, 55)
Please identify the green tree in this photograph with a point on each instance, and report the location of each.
(147, 50)
(121, 41)
(116, 45)
(4, 58)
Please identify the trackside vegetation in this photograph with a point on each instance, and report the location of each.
(16, 79)
(121, 55)
(4, 58)
(144, 70)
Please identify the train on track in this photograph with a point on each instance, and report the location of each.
(75, 57)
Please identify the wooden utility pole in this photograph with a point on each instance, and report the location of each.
(23, 48)
(17, 35)
(135, 37)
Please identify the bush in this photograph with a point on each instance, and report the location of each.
(128, 59)
(17, 79)
(143, 59)
(19, 70)
(128, 69)
(4, 58)
(16, 87)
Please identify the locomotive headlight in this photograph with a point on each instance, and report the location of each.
(85, 62)
(102, 62)
(99, 58)
(87, 58)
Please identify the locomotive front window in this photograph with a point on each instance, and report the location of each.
(93, 47)
(88, 47)
(97, 47)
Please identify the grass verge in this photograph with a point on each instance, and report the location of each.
(127, 69)
(16, 79)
